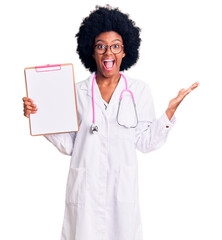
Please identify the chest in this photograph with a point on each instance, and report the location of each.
(107, 91)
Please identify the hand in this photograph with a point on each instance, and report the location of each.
(175, 102)
(29, 106)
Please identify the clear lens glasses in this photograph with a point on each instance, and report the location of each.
(102, 48)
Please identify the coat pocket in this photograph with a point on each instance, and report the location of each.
(76, 186)
(127, 183)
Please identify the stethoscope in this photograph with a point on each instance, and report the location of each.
(94, 127)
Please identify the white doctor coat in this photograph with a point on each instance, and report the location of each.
(102, 197)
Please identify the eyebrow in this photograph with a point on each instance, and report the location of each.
(104, 41)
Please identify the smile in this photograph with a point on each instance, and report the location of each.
(108, 64)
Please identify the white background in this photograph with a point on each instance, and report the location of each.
(181, 183)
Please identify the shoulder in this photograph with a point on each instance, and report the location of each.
(141, 92)
(138, 86)
(143, 98)
(84, 84)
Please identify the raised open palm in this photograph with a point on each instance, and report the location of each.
(175, 102)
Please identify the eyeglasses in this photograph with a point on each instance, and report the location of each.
(102, 48)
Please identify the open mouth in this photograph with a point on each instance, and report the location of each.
(108, 64)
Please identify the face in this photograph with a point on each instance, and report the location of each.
(108, 63)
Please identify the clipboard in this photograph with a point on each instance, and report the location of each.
(52, 88)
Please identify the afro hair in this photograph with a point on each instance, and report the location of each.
(104, 19)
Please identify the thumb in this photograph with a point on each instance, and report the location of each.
(181, 91)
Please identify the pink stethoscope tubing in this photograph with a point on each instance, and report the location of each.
(94, 127)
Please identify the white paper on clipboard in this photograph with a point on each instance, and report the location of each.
(52, 88)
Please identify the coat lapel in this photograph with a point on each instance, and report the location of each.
(87, 85)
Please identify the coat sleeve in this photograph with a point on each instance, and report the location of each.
(150, 133)
(64, 142)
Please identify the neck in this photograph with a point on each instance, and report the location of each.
(105, 81)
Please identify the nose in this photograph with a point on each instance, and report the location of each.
(108, 50)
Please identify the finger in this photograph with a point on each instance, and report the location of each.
(29, 103)
(26, 115)
(185, 93)
(26, 99)
(181, 91)
(30, 108)
(182, 94)
(30, 111)
(34, 109)
(193, 86)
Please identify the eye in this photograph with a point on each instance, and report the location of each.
(116, 46)
(101, 46)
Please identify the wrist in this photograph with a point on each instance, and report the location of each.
(170, 113)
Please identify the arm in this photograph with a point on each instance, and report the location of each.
(175, 102)
(152, 133)
(64, 142)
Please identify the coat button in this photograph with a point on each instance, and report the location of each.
(167, 126)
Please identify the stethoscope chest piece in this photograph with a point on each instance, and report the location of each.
(94, 128)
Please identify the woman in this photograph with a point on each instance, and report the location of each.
(102, 188)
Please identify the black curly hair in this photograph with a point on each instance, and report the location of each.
(104, 19)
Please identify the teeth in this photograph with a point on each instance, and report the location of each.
(108, 63)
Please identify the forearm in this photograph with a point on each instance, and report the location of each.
(64, 142)
(153, 137)
(170, 113)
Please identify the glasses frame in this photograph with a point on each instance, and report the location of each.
(106, 47)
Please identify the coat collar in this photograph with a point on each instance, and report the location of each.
(87, 85)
